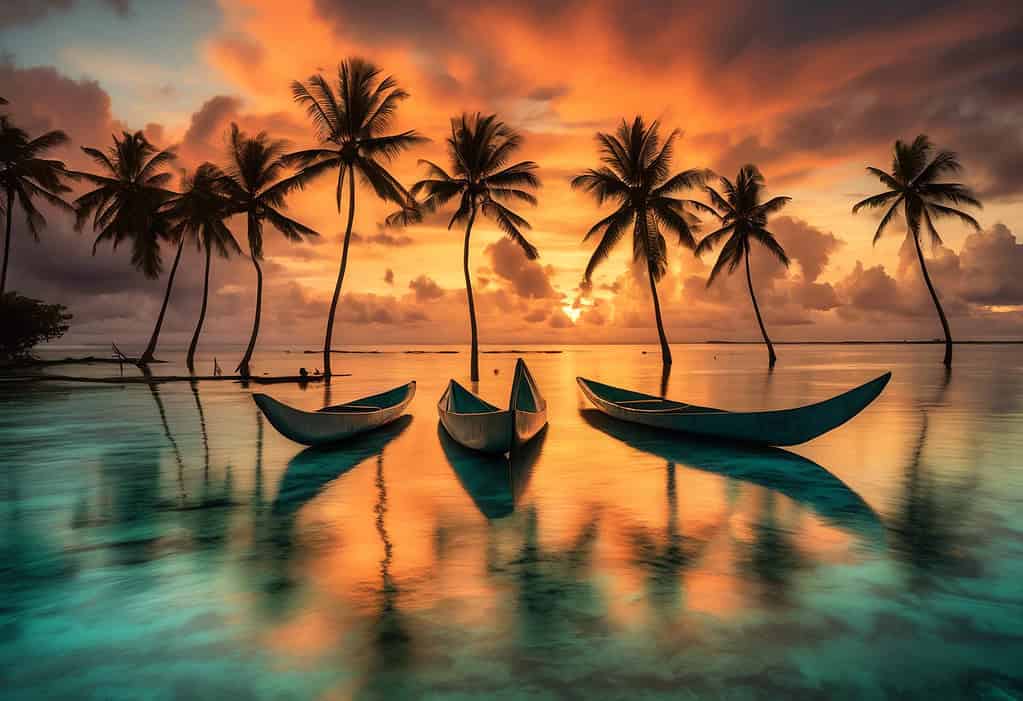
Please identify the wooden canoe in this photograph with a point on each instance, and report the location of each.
(336, 423)
(478, 424)
(783, 427)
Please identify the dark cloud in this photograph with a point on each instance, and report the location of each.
(21, 12)
(383, 238)
(991, 265)
(425, 289)
(528, 277)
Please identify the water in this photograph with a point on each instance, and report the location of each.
(168, 543)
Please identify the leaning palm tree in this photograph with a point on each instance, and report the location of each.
(912, 185)
(26, 177)
(636, 177)
(743, 220)
(479, 148)
(198, 214)
(253, 183)
(350, 123)
(131, 187)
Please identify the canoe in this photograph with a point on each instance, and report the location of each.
(478, 424)
(336, 423)
(783, 427)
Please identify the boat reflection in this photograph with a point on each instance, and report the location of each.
(494, 482)
(309, 472)
(792, 475)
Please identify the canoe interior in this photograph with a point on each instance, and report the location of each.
(627, 399)
(462, 401)
(375, 402)
(524, 394)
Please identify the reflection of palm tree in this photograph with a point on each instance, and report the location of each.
(636, 177)
(155, 391)
(130, 189)
(202, 429)
(256, 191)
(479, 148)
(350, 122)
(664, 564)
(743, 220)
(199, 214)
(927, 530)
(912, 185)
(773, 558)
(391, 640)
(553, 586)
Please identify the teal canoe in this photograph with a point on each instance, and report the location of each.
(336, 423)
(478, 424)
(782, 427)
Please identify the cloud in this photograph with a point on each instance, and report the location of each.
(425, 289)
(528, 278)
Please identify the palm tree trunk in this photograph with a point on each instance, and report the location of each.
(771, 357)
(665, 350)
(7, 240)
(474, 352)
(243, 366)
(202, 314)
(150, 352)
(937, 304)
(340, 274)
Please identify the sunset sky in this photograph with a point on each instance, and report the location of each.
(811, 92)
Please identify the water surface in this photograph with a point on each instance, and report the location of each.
(165, 542)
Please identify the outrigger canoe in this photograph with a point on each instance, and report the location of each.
(783, 427)
(477, 424)
(336, 423)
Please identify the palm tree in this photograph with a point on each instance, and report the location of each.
(253, 183)
(25, 177)
(912, 185)
(479, 148)
(350, 123)
(125, 205)
(198, 214)
(635, 175)
(743, 220)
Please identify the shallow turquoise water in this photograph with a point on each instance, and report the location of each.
(168, 543)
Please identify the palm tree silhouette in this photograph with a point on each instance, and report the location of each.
(635, 175)
(26, 176)
(912, 185)
(349, 123)
(125, 205)
(253, 183)
(198, 214)
(743, 220)
(479, 148)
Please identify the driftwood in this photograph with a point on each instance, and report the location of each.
(157, 379)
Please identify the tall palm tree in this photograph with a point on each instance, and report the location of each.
(743, 220)
(25, 176)
(131, 187)
(198, 214)
(253, 183)
(350, 122)
(911, 184)
(479, 148)
(636, 177)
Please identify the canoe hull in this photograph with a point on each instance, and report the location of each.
(486, 428)
(777, 428)
(325, 427)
